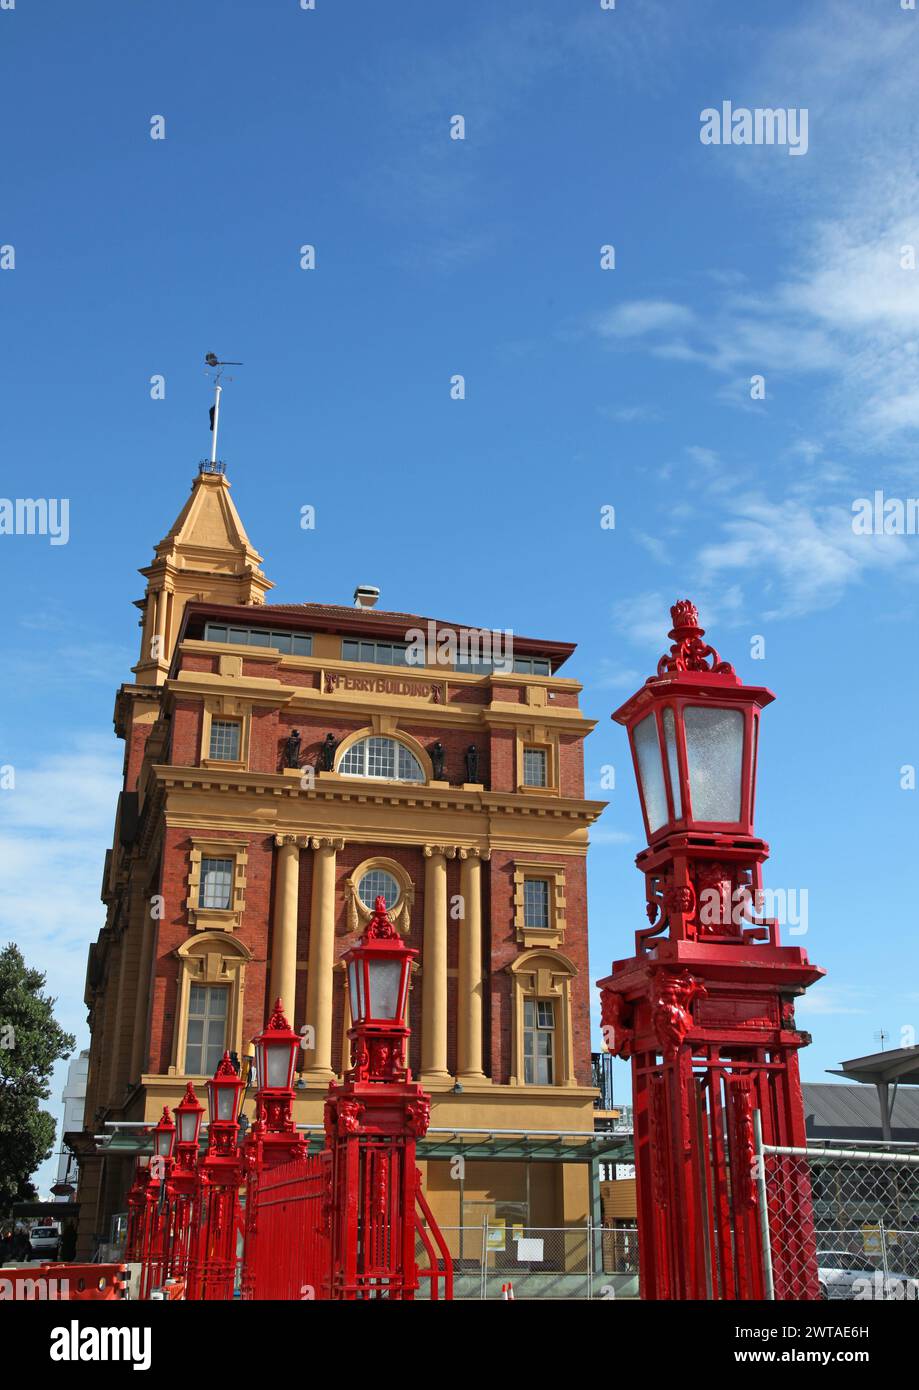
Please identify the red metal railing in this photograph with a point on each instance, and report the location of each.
(287, 1243)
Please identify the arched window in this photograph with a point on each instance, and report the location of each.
(381, 757)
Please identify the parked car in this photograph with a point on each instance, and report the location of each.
(44, 1241)
(844, 1275)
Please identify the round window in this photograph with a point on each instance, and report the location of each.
(378, 882)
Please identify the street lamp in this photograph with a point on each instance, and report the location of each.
(693, 730)
(164, 1134)
(223, 1096)
(704, 1009)
(378, 972)
(188, 1114)
(276, 1053)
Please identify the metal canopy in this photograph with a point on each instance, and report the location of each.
(883, 1070)
(544, 1146)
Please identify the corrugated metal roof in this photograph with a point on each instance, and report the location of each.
(838, 1108)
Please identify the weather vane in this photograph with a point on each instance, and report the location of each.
(214, 361)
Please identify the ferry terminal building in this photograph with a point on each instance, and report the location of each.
(235, 878)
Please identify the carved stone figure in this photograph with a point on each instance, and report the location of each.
(438, 753)
(327, 753)
(292, 750)
(472, 763)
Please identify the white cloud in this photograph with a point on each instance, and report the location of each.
(640, 317)
(801, 558)
(601, 836)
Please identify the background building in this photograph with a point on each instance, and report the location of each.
(284, 765)
(73, 1097)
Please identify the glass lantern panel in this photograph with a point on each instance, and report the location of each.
(162, 1144)
(354, 986)
(187, 1120)
(277, 1064)
(225, 1097)
(673, 762)
(651, 771)
(714, 758)
(384, 988)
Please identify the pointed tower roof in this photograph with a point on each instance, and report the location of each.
(205, 555)
(209, 523)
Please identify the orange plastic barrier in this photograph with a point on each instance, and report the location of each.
(63, 1283)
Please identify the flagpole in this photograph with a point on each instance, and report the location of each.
(217, 390)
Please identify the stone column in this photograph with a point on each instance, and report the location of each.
(470, 992)
(434, 964)
(284, 932)
(320, 979)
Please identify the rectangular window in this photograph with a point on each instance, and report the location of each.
(535, 767)
(538, 1042)
(288, 643)
(224, 740)
(206, 1039)
(383, 653)
(532, 665)
(216, 884)
(536, 902)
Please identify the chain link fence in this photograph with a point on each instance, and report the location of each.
(850, 1215)
(499, 1259)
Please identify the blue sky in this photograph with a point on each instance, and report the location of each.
(584, 387)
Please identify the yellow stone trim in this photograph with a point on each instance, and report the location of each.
(384, 727)
(209, 959)
(545, 741)
(554, 874)
(400, 914)
(233, 710)
(207, 847)
(543, 974)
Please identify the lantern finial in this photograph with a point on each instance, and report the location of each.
(278, 1020)
(225, 1067)
(380, 928)
(689, 652)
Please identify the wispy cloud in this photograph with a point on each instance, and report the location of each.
(55, 827)
(801, 558)
(825, 1000)
(846, 305)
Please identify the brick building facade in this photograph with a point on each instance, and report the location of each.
(455, 788)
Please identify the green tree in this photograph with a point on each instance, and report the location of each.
(31, 1042)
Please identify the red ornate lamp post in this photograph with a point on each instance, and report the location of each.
(213, 1263)
(372, 1121)
(705, 1007)
(184, 1182)
(151, 1204)
(272, 1139)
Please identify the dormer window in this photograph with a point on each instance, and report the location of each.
(383, 758)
